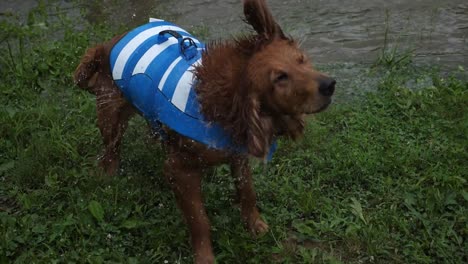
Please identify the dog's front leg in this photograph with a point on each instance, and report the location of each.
(185, 181)
(240, 170)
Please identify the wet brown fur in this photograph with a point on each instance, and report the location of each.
(257, 87)
(228, 97)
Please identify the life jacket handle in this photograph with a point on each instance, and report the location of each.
(188, 47)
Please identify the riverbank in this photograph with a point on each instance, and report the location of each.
(380, 177)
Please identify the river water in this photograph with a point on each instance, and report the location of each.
(331, 31)
(351, 31)
(342, 37)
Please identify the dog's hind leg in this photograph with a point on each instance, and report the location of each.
(113, 113)
(240, 170)
(185, 181)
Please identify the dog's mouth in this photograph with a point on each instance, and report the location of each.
(323, 107)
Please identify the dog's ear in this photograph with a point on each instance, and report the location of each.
(259, 16)
(259, 129)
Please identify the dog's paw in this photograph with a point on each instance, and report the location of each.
(258, 228)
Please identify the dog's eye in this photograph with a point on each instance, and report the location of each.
(281, 77)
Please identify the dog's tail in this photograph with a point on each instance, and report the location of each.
(87, 71)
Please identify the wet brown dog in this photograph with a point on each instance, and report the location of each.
(256, 87)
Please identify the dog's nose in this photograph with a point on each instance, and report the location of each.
(327, 86)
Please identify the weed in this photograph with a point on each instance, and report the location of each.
(391, 56)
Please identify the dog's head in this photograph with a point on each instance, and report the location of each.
(282, 84)
(260, 87)
(280, 73)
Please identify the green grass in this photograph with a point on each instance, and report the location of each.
(381, 178)
(392, 56)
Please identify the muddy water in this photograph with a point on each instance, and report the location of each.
(334, 30)
(331, 31)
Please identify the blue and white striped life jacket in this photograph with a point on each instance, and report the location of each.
(153, 66)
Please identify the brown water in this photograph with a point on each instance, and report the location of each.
(331, 31)
(334, 30)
